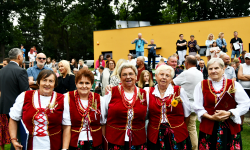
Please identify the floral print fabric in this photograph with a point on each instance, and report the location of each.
(126, 147)
(166, 140)
(221, 139)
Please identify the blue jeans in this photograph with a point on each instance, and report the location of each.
(235, 52)
(139, 53)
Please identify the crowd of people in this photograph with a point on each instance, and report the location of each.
(132, 106)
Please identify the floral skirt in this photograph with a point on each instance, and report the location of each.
(126, 147)
(4, 130)
(86, 145)
(166, 140)
(221, 139)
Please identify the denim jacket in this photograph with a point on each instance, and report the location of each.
(219, 42)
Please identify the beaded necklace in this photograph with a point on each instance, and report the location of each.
(126, 101)
(81, 110)
(221, 90)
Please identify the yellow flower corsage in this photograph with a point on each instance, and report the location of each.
(174, 103)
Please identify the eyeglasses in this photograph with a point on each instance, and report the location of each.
(41, 58)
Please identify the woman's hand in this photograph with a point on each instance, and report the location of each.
(221, 115)
(17, 145)
(107, 89)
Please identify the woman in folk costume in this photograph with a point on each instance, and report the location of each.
(45, 114)
(85, 114)
(125, 112)
(168, 113)
(219, 103)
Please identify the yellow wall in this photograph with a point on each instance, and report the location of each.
(119, 40)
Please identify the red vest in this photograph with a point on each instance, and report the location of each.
(210, 100)
(77, 121)
(54, 119)
(118, 116)
(175, 118)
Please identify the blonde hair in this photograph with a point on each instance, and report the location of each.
(209, 36)
(220, 34)
(162, 60)
(118, 64)
(66, 65)
(141, 82)
(80, 60)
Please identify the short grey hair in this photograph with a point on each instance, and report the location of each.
(142, 58)
(218, 60)
(127, 65)
(165, 67)
(198, 55)
(172, 56)
(14, 52)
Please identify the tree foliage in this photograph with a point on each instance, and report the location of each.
(63, 29)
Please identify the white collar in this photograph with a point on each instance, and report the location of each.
(15, 62)
(169, 91)
(217, 81)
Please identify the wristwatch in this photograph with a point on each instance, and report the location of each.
(231, 114)
(34, 82)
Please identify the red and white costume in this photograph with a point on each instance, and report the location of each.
(164, 114)
(240, 96)
(88, 128)
(44, 124)
(120, 121)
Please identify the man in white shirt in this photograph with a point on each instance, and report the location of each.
(229, 71)
(188, 80)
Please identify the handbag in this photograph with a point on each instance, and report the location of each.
(197, 47)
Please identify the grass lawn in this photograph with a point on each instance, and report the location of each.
(245, 136)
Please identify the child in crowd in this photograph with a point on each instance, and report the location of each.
(145, 80)
(31, 56)
(161, 62)
(98, 86)
(55, 71)
(215, 50)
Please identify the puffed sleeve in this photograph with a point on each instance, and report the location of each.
(17, 109)
(243, 102)
(104, 107)
(198, 101)
(186, 103)
(66, 114)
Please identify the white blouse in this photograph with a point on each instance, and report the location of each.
(241, 98)
(106, 102)
(83, 136)
(169, 92)
(39, 143)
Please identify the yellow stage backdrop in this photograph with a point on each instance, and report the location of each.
(119, 40)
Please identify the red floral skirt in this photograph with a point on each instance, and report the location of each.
(221, 139)
(166, 140)
(4, 130)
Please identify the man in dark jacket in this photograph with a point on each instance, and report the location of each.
(13, 80)
(203, 69)
(140, 65)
